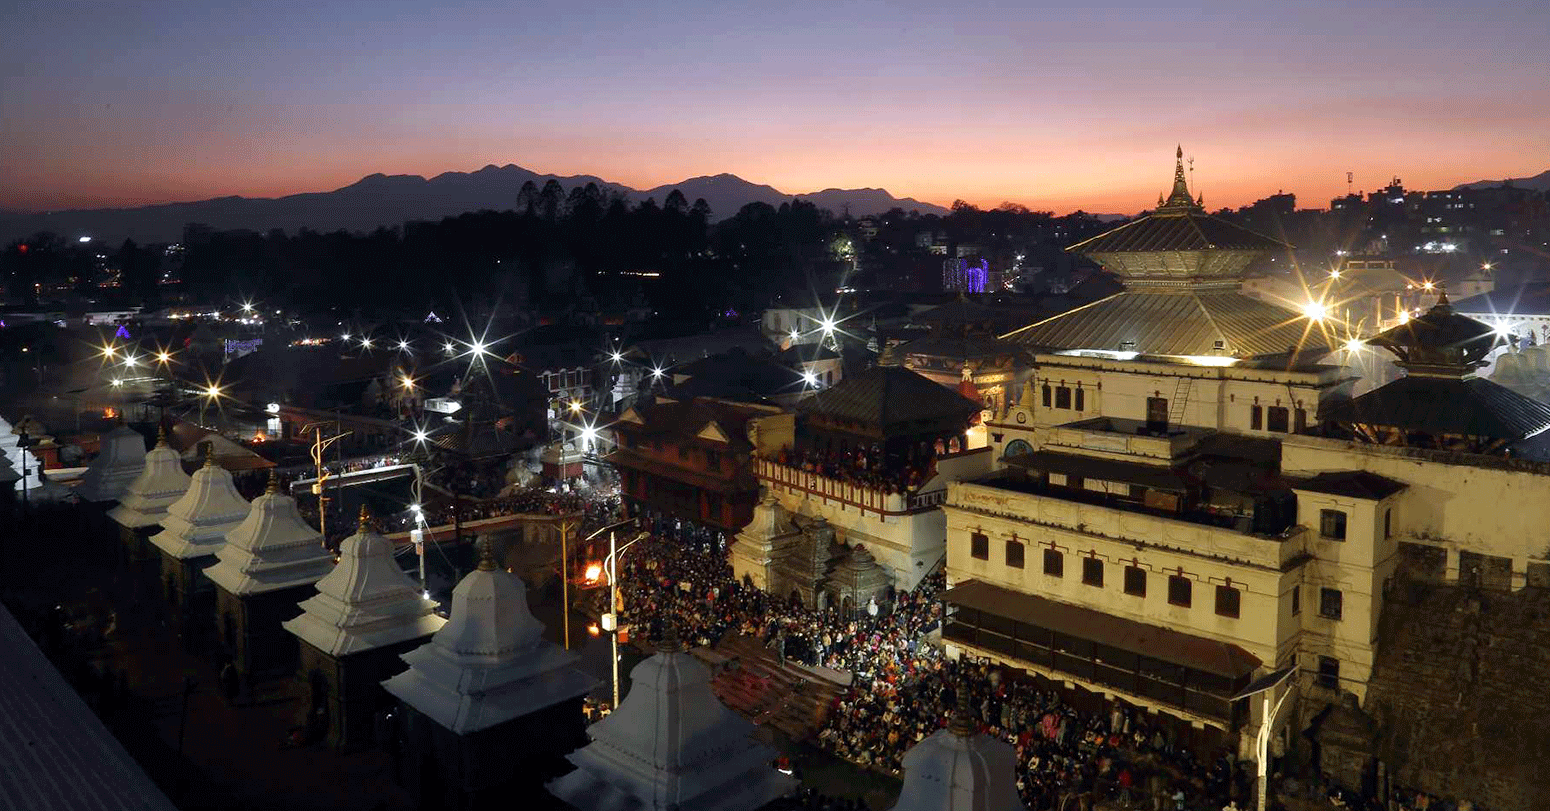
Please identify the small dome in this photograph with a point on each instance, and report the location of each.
(120, 460)
(490, 616)
(1511, 368)
(160, 483)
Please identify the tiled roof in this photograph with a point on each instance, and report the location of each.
(57, 755)
(948, 345)
(1177, 231)
(1441, 327)
(1351, 483)
(683, 420)
(1523, 299)
(1176, 322)
(886, 396)
(1438, 405)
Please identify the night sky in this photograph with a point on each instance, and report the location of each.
(1055, 106)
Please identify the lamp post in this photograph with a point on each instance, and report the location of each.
(1265, 685)
(611, 619)
(565, 528)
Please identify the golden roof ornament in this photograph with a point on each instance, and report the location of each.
(209, 453)
(161, 434)
(670, 643)
(274, 481)
(365, 520)
(1180, 199)
(486, 555)
(963, 723)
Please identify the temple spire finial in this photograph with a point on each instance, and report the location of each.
(209, 454)
(486, 555)
(1180, 197)
(963, 723)
(274, 481)
(365, 520)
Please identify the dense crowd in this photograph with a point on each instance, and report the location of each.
(870, 469)
(902, 685)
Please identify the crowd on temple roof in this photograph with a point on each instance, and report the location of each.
(861, 468)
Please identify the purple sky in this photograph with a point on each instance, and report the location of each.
(1055, 106)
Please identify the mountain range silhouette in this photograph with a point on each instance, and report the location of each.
(389, 200)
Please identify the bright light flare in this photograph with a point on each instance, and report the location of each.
(163, 357)
(109, 351)
(656, 373)
(615, 357)
(247, 306)
(575, 406)
(1502, 330)
(1428, 286)
(1354, 345)
(593, 573)
(1315, 310)
(365, 343)
(403, 346)
(810, 378)
(420, 435)
(1334, 274)
(130, 361)
(116, 382)
(407, 382)
(212, 391)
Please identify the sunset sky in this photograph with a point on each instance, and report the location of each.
(1060, 105)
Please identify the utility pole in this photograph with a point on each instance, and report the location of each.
(319, 448)
(565, 529)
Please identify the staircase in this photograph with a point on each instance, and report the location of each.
(1458, 693)
(756, 686)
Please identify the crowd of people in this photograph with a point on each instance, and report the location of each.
(903, 686)
(863, 468)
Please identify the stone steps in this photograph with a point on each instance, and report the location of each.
(761, 689)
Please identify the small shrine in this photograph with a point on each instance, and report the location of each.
(800, 560)
(193, 530)
(365, 615)
(489, 707)
(960, 769)
(269, 563)
(144, 502)
(672, 744)
(119, 461)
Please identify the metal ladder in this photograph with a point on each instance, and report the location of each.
(1180, 398)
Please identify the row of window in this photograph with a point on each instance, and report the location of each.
(1063, 395)
(566, 380)
(1277, 418)
(1180, 588)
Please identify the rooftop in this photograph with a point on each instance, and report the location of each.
(887, 398)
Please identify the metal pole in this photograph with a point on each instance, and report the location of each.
(565, 582)
(1264, 747)
(613, 607)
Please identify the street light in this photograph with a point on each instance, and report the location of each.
(1266, 685)
(611, 619)
(565, 571)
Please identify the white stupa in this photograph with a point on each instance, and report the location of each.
(366, 602)
(672, 744)
(196, 524)
(272, 549)
(119, 460)
(490, 663)
(160, 483)
(28, 466)
(958, 769)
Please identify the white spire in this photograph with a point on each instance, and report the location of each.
(196, 524)
(672, 744)
(272, 549)
(366, 602)
(24, 462)
(489, 663)
(959, 769)
(160, 483)
(119, 461)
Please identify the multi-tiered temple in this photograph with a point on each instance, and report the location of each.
(672, 745)
(268, 564)
(490, 706)
(193, 530)
(365, 615)
(144, 504)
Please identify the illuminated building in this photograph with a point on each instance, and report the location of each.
(1191, 499)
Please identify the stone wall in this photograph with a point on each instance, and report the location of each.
(1458, 691)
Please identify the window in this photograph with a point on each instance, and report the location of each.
(1300, 417)
(1256, 417)
(1046, 395)
(1296, 600)
(1332, 524)
(1062, 397)
(1076, 482)
(1277, 420)
(1388, 523)
(1331, 603)
(1227, 601)
(1156, 412)
(1329, 672)
(1014, 554)
(828, 378)
(1135, 581)
(979, 546)
(1054, 563)
(713, 460)
(1081, 399)
(1092, 571)
(1179, 590)
(1138, 492)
